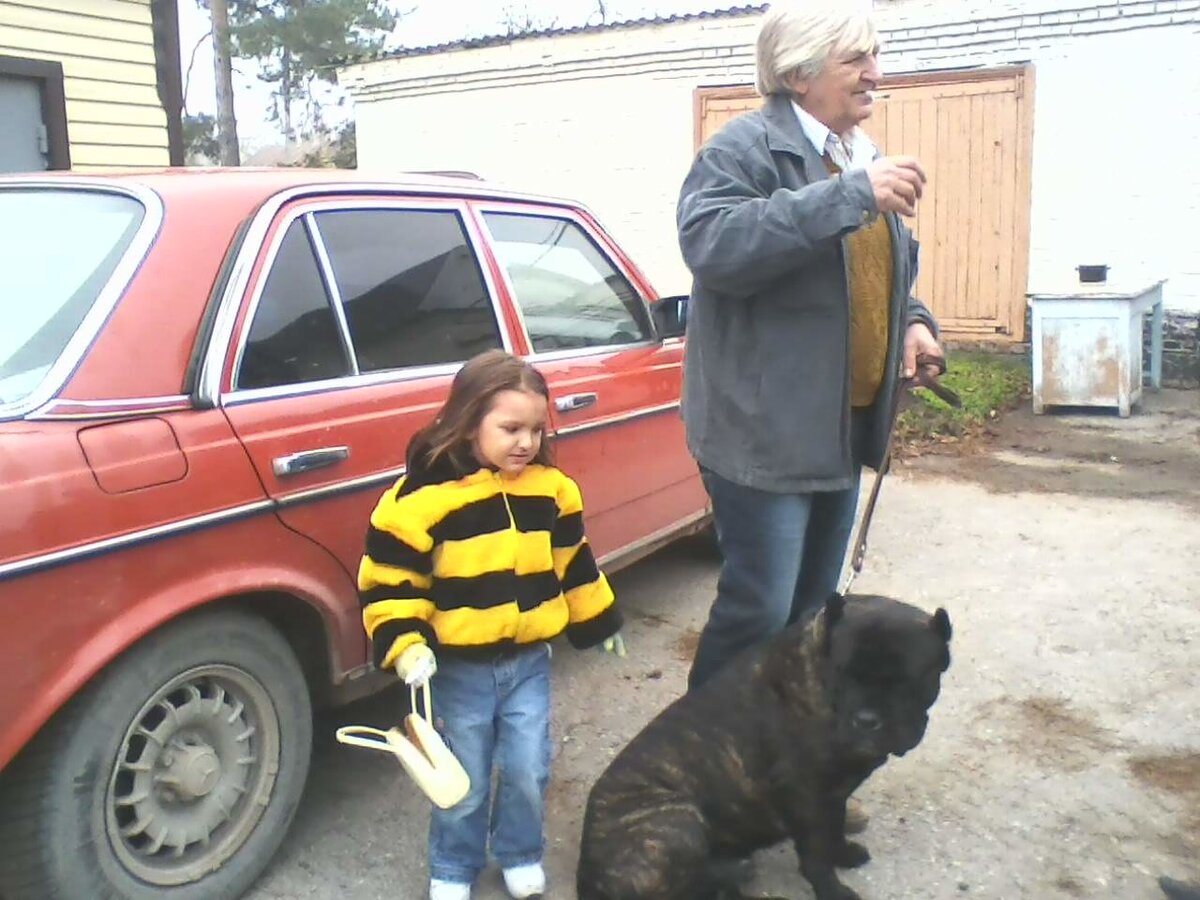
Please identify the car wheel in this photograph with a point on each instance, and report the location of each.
(173, 776)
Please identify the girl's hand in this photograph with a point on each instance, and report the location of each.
(614, 645)
(416, 665)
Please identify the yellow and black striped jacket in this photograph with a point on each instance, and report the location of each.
(478, 561)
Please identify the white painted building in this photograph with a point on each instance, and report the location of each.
(1093, 161)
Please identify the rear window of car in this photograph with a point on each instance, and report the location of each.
(58, 251)
(411, 287)
(407, 291)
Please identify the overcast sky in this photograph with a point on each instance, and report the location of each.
(429, 22)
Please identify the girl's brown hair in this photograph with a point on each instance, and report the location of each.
(449, 436)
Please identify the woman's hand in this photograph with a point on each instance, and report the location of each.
(919, 341)
(898, 182)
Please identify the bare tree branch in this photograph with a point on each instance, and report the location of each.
(518, 21)
(187, 79)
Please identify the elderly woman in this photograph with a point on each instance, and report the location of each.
(800, 321)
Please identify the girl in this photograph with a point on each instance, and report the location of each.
(478, 555)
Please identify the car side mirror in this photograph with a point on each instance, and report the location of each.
(670, 316)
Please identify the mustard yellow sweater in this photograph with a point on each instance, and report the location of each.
(869, 261)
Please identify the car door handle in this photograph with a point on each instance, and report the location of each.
(574, 401)
(307, 460)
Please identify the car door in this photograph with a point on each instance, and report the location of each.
(362, 312)
(614, 385)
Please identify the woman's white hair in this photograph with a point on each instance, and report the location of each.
(796, 37)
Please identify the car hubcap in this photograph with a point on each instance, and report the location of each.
(193, 770)
(193, 775)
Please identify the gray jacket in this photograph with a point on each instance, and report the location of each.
(766, 375)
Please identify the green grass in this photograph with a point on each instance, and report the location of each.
(988, 384)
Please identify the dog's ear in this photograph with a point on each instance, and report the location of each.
(835, 606)
(940, 623)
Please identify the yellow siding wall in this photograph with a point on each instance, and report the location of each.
(106, 47)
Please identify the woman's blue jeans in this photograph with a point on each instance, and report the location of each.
(782, 556)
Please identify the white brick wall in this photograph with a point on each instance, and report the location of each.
(607, 117)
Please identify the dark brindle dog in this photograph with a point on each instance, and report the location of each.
(766, 750)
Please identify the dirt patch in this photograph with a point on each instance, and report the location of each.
(1048, 731)
(1154, 454)
(649, 618)
(684, 648)
(1177, 775)
(1056, 724)
(1069, 886)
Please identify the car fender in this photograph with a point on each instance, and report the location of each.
(49, 663)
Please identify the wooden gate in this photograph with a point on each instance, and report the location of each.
(972, 132)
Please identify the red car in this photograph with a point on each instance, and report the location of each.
(206, 380)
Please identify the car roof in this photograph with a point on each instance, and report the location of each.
(251, 186)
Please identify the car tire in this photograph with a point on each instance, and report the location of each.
(203, 728)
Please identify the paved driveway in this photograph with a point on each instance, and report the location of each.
(1062, 761)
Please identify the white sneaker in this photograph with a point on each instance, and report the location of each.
(525, 882)
(448, 890)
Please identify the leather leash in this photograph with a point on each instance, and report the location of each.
(923, 378)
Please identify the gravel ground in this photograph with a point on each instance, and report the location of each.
(1062, 760)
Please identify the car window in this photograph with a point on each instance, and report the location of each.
(58, 250)
(295, 337)
(569, 294)
(411, 287)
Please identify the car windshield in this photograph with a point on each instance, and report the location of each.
(58, 249)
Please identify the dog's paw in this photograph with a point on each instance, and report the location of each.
(851, 855)
(838, 891)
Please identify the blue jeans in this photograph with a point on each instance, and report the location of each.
(494, 711)
(781, 557)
